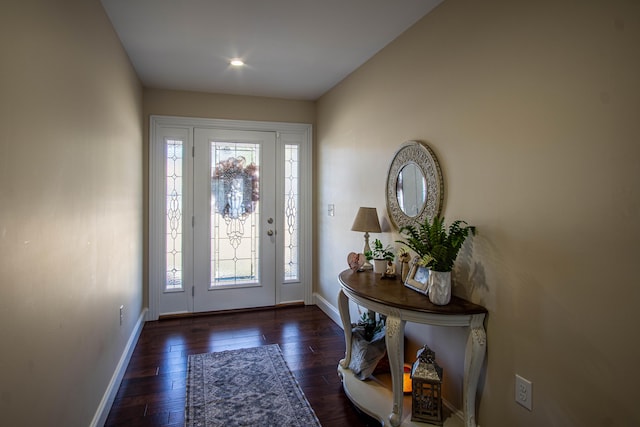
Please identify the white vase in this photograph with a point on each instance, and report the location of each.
(440, 287)
(379, 266)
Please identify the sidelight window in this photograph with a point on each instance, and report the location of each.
(173, 214)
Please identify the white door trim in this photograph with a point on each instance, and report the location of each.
(298, 131)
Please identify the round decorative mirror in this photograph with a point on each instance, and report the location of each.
(414, 185)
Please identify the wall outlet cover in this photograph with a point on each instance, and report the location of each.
(524, 392)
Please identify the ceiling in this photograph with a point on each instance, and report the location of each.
(294, 49)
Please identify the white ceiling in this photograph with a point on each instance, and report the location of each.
(295, 49)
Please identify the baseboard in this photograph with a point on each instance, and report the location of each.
(327, 308)
(455, 412)
(110, 394)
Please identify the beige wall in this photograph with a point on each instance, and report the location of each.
(70, 209)
(232, 107)
(532, 109)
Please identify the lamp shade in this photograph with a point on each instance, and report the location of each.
(367, 220)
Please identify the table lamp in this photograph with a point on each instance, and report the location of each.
(367, 221)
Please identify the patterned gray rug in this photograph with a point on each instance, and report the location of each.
(248, 387)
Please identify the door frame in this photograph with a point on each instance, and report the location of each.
(302, 290)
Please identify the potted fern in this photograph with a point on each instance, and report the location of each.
(380, 255)
(438, 249)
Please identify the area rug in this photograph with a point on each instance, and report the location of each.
(248, 387)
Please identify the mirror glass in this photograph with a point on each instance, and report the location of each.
(415, 190)
(411, 190)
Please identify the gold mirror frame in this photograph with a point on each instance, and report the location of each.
(421, 155)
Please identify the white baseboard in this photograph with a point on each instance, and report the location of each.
(110, 394)
(455, 412)
(327, 308)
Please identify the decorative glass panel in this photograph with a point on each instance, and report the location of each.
(174, 214)
(235, 213)
(291, 215)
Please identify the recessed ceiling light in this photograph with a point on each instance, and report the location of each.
(236, 62)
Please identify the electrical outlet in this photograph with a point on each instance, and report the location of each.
(331, 209)
(524, 392)
(121, 314)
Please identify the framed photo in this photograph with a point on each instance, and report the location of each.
(418, 278)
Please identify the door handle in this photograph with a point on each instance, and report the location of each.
(269, 232)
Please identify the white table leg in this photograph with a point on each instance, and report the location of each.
(395, 349)
(345, 316)
(473, 359)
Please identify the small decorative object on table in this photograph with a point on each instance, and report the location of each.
(426, 384)
(380, 255)
(404, 257)
(355, 261)
(390, 272)
(418, 277)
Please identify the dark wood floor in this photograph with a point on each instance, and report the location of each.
(152, 392)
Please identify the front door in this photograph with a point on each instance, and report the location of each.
(234, 219)
(229, 215)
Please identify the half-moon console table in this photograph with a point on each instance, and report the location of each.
(401, 305)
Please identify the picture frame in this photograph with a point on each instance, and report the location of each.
(418, 278)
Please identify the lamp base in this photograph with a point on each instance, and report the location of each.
(367, 265)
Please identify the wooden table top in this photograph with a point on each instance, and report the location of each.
(392, 292)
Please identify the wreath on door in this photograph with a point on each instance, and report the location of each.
(235, 187)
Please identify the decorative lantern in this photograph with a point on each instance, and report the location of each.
(426, 381)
